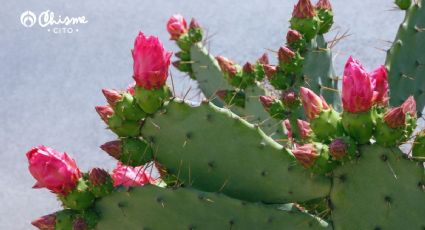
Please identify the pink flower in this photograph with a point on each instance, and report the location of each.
(357, 89)
(313, 104)
(53, 170)
(395, 118)
(409, 106)
(303, 127)
(303, 9)
(151, 62)
(305, 154)
(135, 176)
(176, 26)
(47, 222)
(379, 79)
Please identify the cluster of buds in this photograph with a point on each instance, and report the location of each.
(305, 132)
(242, 77)
(67, 219)
(185, 37)
(280, 108)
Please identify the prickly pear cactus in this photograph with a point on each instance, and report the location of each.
(218, 165)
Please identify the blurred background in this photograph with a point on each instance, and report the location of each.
(51, 79)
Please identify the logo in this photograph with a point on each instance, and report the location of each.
(52, 22)
(28, 18)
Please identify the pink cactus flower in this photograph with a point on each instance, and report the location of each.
(47, 222)
(303, 9)
(409, 106)
(395, 118)
(306, 154)
(135, 176)
(357, 89)
(324, 5)
(379, 79)
(303, 127)
(112, 96)
(151, 62)
(53, 170)
(176, 26)
(313, 104)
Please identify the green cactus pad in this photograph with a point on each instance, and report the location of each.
(65, 219)
(80, 198)
(380, 190)
(122, 127)
(213, 150)
(155, 208)
(135, 152)
(386, 136)
(128, 109)
(150, 100)
(406, 58)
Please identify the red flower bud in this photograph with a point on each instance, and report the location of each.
(113, 148)
(267, 101)
(176, 26)
(194, 24)
(395, 118)
(313, 104)
(104, 111)
(47, 222)
(293, 36)
(53, 170)
(324, 5)
(303, 9)
(306, 154)
(227, 66)
(303, 127)
(112, 96)
(409, 106)
(248, 68)
(151, 62)
(264, 59)
(285, 55)
(98, 176)
(270, 70)
(289, 98)
(338, 148)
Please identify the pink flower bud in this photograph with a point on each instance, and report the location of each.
(53, 170)
(112, 96)
(338, 148)
(194, 24)
(357, 89)
(248, 68)
(313, 104)
(303, 127)
(227, 66)
(47, 222)
(303, 9)
(293, 36)
(270, 70)
(324, 5)
(264, 59)
(306, 154)
(285, 55)
(130, 88)
(409, 106)
(266, 101)
(379, 79)
(104, 111)
(395, 118)
(151, 62)
(289, 98)
(176, 26)
(98, 176)
(113, 148)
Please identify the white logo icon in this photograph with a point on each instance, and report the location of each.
(28, 18)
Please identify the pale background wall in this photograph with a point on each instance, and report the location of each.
(50, 83)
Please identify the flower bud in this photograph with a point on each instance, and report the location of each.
(303, 9)
(293, 36)
(130, 88)
(273, 106)
(313, 104)
(304, 19)
(290, 98)
(303, 128)
(379, 80)
(285, 55)
(266, 101)
(176, 26)
(338, 148)
(131, 151)
(323, 5)
(227, 66)
(270, 70)
(105, 112)
(151, 62)
(395, 118)
(112, 96)
(264, 59)
(47, 222)
(98, 176)
(409, 106)
(248, 68)
(306, 155)
(195, 31)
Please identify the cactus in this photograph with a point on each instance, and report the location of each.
(216, 165)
